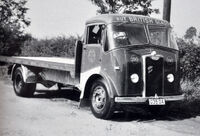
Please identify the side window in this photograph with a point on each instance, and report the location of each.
(94, 36)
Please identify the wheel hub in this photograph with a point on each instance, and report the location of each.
(99, 98)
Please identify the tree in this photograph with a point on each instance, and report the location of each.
(142, 7)
(190, 34)
(12, 24)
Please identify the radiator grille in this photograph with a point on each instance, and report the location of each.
(154, 76)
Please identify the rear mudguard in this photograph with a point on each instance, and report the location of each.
(28, 75)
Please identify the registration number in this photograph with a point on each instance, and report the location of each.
(156, 101)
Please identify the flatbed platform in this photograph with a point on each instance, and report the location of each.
(57, 63)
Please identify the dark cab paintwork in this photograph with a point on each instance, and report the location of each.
(116, 65)
(156, 78)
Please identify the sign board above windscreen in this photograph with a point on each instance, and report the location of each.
(140, 19)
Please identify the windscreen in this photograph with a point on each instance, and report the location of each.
(128, 34)
(162, 36)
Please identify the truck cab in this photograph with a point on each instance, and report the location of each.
(128, 59)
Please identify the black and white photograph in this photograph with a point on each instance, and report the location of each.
(99, 68)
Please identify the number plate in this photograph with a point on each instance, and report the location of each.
(156, 101)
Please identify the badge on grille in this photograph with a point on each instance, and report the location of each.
(169, 59)
(150, 69)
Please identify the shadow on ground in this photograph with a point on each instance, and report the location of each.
(66, 94)
(175, 111)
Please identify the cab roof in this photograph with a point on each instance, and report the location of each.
(111, 18)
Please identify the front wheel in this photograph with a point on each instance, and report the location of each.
(20, 87)
(101, 104)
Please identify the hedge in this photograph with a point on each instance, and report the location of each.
(60, 46)
(189, 60)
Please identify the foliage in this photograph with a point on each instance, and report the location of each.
(142, 7)
(189, 58)
(59, 46)
(190, 106)
(11, 40)
(12, 23)
(191, 89)
(4, 72)
(191, 32)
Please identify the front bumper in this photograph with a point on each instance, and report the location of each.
(145, 99)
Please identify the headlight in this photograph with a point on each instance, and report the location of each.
(134, 78)
(170, 78)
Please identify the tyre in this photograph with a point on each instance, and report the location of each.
(101, 104)
(20, 87)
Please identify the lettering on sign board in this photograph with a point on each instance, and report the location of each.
(145, 20)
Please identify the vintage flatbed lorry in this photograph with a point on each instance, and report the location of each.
(122, 60)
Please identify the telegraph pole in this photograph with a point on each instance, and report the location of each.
(167, 10)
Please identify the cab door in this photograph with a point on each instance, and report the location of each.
(92, 48)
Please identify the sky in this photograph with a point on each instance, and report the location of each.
(50, 18)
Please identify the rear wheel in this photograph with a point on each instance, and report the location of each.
(20, 87)
(101, 104)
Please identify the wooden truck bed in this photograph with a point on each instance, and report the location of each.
(56, 63)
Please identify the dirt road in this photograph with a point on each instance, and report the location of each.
(57, 114)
